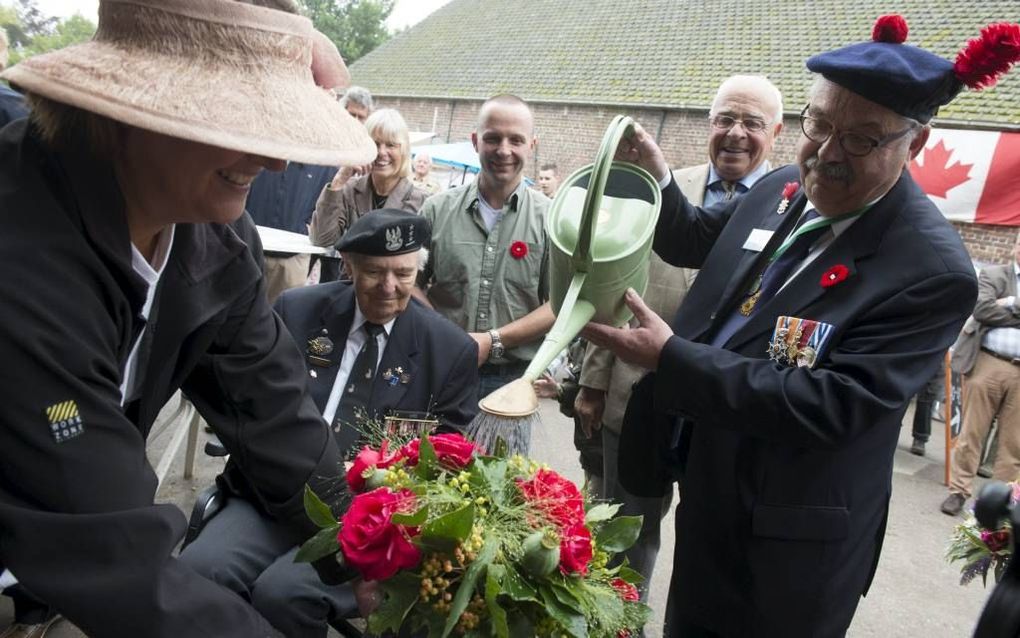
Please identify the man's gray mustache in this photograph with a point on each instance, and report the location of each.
(830, 170)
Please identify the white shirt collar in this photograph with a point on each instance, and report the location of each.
(359, 320)
(747, 181)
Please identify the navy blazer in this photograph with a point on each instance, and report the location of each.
(440, 359)
(789, 469)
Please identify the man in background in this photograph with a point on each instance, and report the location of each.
(489, 270)
(549, 179)
(358, 102)
(988, 355)
(285, 200)
(745, 117)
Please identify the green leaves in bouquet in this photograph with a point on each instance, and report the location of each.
(497, 615)
(467, 584)
(618, 534)
(514, 585)
(317, 511)
(572, 621)
(445, 531)
(325, 542)
(630, 575)
(428, 462)
(601, 513)
(488, 476)
(399, 595)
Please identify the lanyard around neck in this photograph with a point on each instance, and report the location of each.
(814, 224)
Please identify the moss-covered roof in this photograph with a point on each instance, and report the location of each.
(667, 53)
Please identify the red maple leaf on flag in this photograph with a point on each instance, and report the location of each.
(936, 176)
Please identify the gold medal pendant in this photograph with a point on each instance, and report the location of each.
(747, 307)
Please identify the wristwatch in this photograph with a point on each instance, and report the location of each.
(497, 350)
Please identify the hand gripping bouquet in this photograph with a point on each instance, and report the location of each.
(471, 545)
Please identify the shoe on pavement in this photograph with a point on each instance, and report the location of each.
(21, 630)
(984, 471)
(917, 448)
(953, 504)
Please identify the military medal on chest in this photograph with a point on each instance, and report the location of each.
(393, 376)
(797, 342)
(753, 294)
(319, 348)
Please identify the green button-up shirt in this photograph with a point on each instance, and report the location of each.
(472, 278)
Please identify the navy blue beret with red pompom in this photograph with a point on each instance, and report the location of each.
(911, 81)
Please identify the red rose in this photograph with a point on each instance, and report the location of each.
(628, 592)
(367, 459)
(371, 542)
(518, 250)
(995, 540)
(556, 497)
(834, 275)
(575, 550)
(453, 450)
(790, 189)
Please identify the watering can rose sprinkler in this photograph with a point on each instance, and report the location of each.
(600, 227)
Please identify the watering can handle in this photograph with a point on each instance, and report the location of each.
(582, 259)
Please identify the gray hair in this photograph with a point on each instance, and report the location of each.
(760, 84)
(359, 95)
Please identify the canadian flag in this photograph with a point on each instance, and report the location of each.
(971, 175)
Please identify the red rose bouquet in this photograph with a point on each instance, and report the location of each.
(468, 544)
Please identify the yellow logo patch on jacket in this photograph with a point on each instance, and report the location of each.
(65, 421)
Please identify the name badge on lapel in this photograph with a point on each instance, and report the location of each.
(798, 342)
(757, 239)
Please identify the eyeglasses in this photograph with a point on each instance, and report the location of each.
(726, 122)
(856, 144)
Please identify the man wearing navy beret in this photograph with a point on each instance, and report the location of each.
(371, 352)
(780, 400)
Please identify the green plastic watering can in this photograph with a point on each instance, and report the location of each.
(600, 225)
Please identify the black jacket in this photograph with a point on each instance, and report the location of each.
(439, 359)
(789, 469)
(78, 526)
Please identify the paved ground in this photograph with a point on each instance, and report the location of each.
(915, 592)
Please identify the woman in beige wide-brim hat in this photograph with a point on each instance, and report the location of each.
(129, 272)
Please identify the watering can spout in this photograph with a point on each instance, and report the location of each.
(518, 398)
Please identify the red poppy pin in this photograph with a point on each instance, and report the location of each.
(789, 190)
(834, 275)
(518, 250)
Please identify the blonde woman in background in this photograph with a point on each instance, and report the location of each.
(385, 183)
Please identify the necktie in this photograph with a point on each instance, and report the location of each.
(353, 407)
(792, 254)
(772, 278)
(729, 189)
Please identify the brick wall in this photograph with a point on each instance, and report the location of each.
(569, 135)
(986, 243)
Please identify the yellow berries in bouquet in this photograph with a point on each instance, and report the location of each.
(472, 545)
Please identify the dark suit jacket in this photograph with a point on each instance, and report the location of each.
(994, 283)
(440, 358)
(789, 469)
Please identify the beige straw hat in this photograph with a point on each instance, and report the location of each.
(219, 72)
